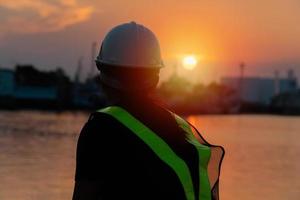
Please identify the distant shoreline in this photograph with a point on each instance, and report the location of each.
(89, 110)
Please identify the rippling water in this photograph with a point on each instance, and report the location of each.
(37, 154)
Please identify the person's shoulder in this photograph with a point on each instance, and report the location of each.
(100, 125)
(99, 117)
(93, 145)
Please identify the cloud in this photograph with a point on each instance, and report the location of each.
(32, 16)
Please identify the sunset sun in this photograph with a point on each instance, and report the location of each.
(189, 62)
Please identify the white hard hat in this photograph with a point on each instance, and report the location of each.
(130, 45)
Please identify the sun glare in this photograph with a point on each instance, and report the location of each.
(189, 62)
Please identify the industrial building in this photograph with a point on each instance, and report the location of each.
(7, 82)
(27, 87)
(261, 90)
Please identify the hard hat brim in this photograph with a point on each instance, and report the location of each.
(100, 63)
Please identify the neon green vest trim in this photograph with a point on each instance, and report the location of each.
(165, 153)
(204, 153)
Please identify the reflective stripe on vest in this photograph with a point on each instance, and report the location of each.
(166, 154)
(204, 153)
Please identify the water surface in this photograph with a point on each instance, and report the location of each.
(37, 154)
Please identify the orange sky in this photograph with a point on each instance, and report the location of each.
(264, 34)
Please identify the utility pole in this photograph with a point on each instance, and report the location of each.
(241, 82)
(78, 70)
(93, 57)
(276, 83)
(175, 70)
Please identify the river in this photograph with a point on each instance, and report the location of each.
(37, 154)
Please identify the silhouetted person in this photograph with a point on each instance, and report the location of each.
(135, 148)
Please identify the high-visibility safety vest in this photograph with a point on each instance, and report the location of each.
(169, 157)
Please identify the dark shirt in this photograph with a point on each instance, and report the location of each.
(123, 165)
